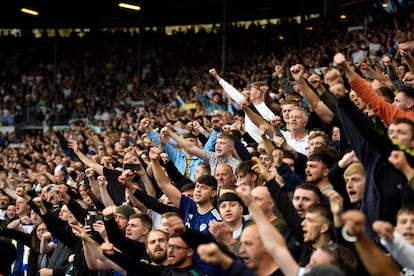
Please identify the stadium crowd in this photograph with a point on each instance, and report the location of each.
(290, 162)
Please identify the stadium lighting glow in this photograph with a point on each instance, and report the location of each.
(29, 11)
(129, 6)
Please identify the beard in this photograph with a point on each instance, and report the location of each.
(156, 258)
(312, 180)
(179, 262)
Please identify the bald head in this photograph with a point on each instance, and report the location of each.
(263, 199)
(224, 174)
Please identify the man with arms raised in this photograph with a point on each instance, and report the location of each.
(115, 189)
(256, 98)
(223, 150)
(197, 212)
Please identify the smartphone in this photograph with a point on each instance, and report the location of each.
(132, 167)
(86, 182)
(91, 219)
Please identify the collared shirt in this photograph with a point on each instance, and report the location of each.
(299, 145)
(214, 161)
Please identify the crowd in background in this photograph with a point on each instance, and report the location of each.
(287, 162)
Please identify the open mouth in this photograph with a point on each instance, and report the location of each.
(408, 236)
(352, 194)
(245, 260)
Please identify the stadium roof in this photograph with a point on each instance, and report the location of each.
(106, 13)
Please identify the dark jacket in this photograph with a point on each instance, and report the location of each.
(386, 188)
(63, 232)
(33, 264)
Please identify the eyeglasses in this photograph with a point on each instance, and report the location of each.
(41, 230)
(176, 247)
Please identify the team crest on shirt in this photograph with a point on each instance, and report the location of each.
(202, 227)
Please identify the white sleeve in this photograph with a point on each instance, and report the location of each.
(231, 91)
(301, 271)
(400, 250)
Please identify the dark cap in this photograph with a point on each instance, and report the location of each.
(126, 210)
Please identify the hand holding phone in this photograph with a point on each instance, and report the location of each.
(132, 167)
(91, 219)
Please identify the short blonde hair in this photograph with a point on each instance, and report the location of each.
(354, 168)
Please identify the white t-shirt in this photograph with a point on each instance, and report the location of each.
(3, 214)
(299, 145)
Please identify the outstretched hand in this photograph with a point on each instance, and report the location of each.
(339, 59)
(214, 73)
(244, 192)
(154, 154)
(355, 222)
(126, 177)
(79, 231)
(73, 144)
(336, 202)
(398, 159)
(210, 253)
(260, 169)
(220, 230)
(333, 76)
(175, 226)
(384, 229)
(297, 71)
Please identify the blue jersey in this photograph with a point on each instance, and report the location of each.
(193, 219)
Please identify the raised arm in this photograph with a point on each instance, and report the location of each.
(405, 50)
(98, 168)
(186, 145)
(230, 90)
(90, 175)
(377, 75)
(103, 191)
(386, 111)
(10, 192)
(211, 253)
(274, 242)
(130, 189)
(149, 188)
(256, 118)
(94, 257)
(373, 258)
(314, 102)
(400, 249)
(162, 179)
(46, 243)
(265, 139)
